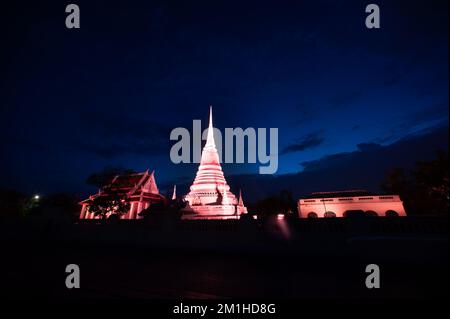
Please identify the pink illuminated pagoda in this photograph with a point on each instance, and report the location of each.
(210, 196)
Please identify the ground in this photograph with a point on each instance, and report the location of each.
(215, 261)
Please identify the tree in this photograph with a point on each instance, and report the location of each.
(425, 189)
(13, 204)
(108, 205)
(165, 209)
(281, 203)
(432, 177)
(61, 206)
(54, 206)
(105, 177)
(397, 182)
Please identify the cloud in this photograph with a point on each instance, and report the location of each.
(373, 156)
(418, 123)
(364, 168)
(437, 111)
(363, 147)
(310, 141)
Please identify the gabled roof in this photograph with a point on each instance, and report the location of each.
(128, 185)
(125, 181)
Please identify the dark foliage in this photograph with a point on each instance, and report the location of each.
(56, 206)
(12, 203)
(109, 205)
(104, 177)
(281, 203)
(168, 209)
(424, 189)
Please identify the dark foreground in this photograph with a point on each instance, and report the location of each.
(272, 259)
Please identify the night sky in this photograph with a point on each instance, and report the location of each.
(345, 98)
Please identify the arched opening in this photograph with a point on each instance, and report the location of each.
(329, 215)
(391, 213)
(312, 215)
(371, 213)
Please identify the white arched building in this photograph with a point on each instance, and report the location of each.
(336, 204)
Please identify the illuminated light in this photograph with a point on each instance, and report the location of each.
(339, 203)
(210, 196)
(255, 217)
(36, 197)
(282, 226)
(138, 189)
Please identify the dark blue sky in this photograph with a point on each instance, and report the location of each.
(108, 94)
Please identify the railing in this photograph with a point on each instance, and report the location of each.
(344, 199)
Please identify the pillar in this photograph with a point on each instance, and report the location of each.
(139, 209)
(132, 211)
(83, 212)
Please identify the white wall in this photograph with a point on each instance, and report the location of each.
(378, 204)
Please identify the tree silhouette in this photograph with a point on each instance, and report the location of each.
(281, 203)
(13, 204)
(425, 189)
(105, 176)
(166, 209)
(104, 206)
(432, 177)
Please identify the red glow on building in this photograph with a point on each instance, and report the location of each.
(210, 196)
(140, 190)
(337, 204)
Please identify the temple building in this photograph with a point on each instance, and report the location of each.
(338, 204)
(210, 196)
(140, 190)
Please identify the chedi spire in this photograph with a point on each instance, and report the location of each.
(210, 196)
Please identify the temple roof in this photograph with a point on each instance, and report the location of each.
(125, 181)
(129, 185)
